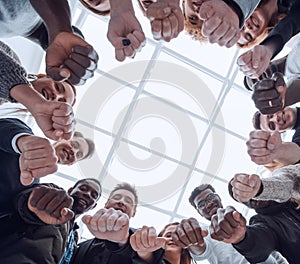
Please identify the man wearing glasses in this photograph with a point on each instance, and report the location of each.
(190, 235)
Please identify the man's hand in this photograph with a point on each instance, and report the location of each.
(125, 34)
(255, 62)
(228, 225)
(108, 224)
(52, 206)
(221, 23)
(167, 20)
(245, 186)
(263, 146)
(189, 235)
(269, 94)
(37, 158)
(71, 58)
(56, 119)
(145, 241)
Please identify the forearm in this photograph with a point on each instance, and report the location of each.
(117, 6)
(293, 92)
(11, 72)
(257, 244)
(56, 15)
(26, 95)
(288, 153)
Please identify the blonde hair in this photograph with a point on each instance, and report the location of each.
(193, 30)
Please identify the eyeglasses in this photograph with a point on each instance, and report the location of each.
(209, 198)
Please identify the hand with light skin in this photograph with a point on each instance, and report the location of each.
(109, 224)
(245, 186)
(71, 58)
(255, 62)
(269, 94)
(145, 241)
(221, 23)
(37, 158)
(124, 30)
(56, 119)
(167, 20)
(228, 226)
(190, 235)
(52, 206)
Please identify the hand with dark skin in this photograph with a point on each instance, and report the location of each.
(37, 158)
(189, 235)
(221, 23)
(269, 94)
(167, 20)
(228, 226)
(108, 224)
(245, 186)
(52, 206)
(124, 30)
(68, 56)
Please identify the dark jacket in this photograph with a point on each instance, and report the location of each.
(32, 241)
(98, 251)
(276, 227)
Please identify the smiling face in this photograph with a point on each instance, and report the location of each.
(122, 200)
(144, 4)
(207, 203)
(254, 26)
(70, 151)
(54, 91)
(191, 12)
(171, 247)
(279, 121)
(85, 194)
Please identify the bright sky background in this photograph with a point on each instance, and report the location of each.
(172, 118)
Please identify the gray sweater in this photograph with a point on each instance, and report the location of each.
(282, 185)
(11, 72)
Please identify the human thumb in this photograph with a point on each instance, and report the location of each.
(274, 141)
(206, 11)
(58, 74)
(26, 178)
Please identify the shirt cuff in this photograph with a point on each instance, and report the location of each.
(15, 139)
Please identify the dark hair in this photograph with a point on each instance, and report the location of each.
(185, 257)
(128, 187)
(95, 11)
(89, 179)
(256, 120)
(90, 143)
(197, 191)
(42, 75)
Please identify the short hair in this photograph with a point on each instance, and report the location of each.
(90, 143)
(191, 29)
(93, 10)
(256, 120)
(197, 191)
(128, 187)
(89, 179)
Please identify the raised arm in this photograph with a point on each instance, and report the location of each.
(68, 57)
